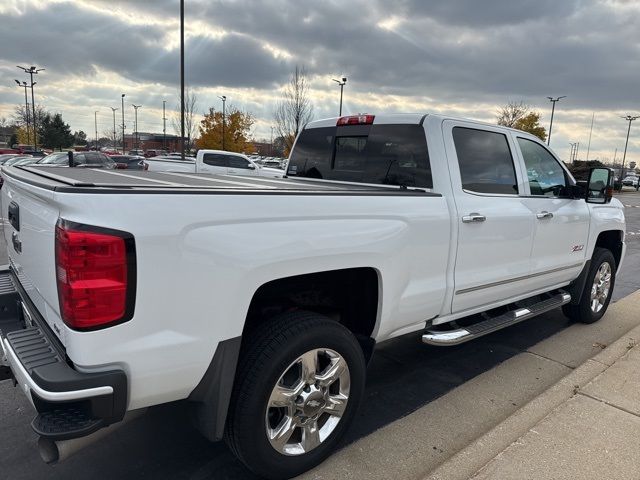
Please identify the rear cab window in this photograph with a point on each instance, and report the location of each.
(385, 154)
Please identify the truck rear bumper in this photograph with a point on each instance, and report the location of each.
(69, 403)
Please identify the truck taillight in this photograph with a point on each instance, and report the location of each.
(95, 269)
(356, 120)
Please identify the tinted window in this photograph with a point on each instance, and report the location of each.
(382, 154)
(237, 162)
(215, 160)
(79, 159)
(544, 173)
(486, 165)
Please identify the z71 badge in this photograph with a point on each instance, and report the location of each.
(577, 248)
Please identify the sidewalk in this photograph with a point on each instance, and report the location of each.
(591, 433)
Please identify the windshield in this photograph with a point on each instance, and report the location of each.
(58, 158)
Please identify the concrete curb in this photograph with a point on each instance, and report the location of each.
(472, 458)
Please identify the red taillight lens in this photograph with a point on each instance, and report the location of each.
(94, 277)
(356, 120)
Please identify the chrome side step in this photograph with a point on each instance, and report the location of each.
(461, 335)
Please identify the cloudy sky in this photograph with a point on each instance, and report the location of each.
(463, 57)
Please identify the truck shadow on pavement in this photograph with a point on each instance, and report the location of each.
(403, 376)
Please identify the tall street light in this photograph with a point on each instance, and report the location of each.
(114, 127)
(135, 123)
(573, 149)
(164, 125)
(342, 82)
(26, 107)
(553, 109)
(122, 98)
(95, 120)
(182, 79)
(628, 118)
(33, 71)
(224, 116)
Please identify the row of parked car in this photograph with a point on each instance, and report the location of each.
(271, 162)
(80, 159)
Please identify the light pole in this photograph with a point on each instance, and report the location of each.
(26, 107)
(553, 109)
(182, 79)
(114, 127)
(630, 119)
(342, 83)
(33, 71)
(271, 144)
(164, 125)
(122, 99)
(573, 148)
(95, 121)
(135, 123)
(224, 116)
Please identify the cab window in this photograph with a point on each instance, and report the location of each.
(486, 164)
(544, 173)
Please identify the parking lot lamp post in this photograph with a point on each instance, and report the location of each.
(95, 121)
(553, 109)
(224, 117)
(114, 126)
(164, 125)
(182, 79)
(271, 144)
(33, 71)
(628, 118)
(342, 83)
(122, 98)
(135, 125)
(26, 108)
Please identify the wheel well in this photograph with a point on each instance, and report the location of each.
(349, 296)
(611, 240)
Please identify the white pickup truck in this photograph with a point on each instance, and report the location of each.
(216, 162)
(261, 300)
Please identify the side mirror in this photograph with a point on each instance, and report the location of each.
(251, 166)
(600, 185)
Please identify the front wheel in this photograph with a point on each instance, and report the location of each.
(299, 382)
(598, 289)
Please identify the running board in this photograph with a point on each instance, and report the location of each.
(461, 335)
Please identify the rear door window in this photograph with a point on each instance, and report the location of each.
(486, 164)
(379, 154)
(215, 159)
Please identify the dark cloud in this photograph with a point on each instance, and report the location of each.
(75, 41)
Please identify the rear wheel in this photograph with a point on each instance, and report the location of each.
(598, 288)
(299, 383)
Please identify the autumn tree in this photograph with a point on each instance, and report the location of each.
(294, 109)
(237, 128)
(520, 116)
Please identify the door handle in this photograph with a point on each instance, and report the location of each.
(473, 218)
(544, 214)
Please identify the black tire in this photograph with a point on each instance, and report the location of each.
(583, 312)
(267, 353)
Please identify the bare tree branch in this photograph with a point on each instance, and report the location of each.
(190, 122)
(294, 110)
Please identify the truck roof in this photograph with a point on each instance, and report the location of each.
(87, 180)
(408, 119)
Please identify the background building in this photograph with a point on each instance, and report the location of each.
(152, 141)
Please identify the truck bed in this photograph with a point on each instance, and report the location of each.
(78, 180)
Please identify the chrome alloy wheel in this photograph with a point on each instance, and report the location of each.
(307, 402)
(601, 287)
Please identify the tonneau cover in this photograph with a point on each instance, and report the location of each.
(79, 180)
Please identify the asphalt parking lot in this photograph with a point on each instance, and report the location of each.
(404, 376)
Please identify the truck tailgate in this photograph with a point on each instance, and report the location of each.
(31, 215)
